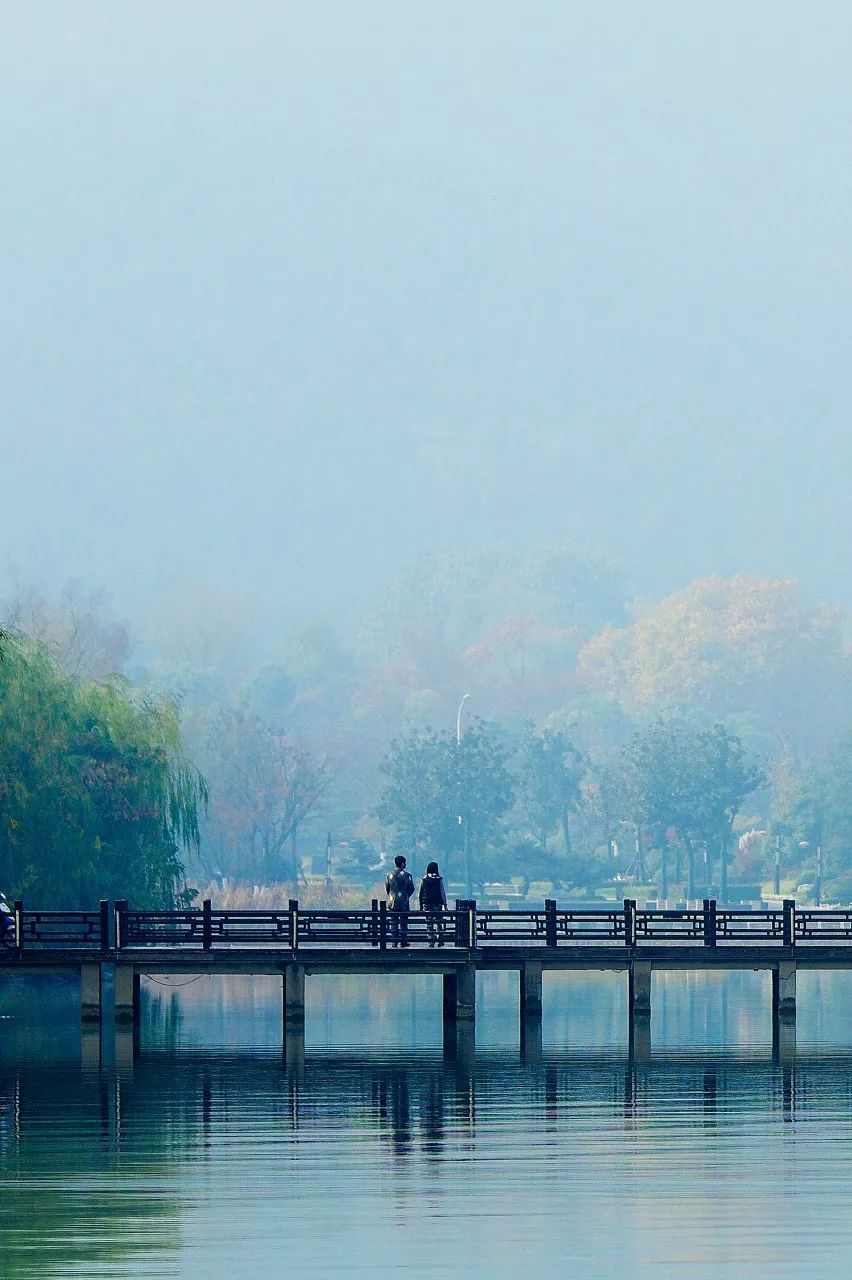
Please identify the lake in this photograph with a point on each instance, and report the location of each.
(377, 1157)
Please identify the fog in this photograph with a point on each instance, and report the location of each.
(295, 294)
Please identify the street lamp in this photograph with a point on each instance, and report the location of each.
(458, 719)
(806, 844)
(462, 823)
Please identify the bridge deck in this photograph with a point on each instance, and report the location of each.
(341, 959)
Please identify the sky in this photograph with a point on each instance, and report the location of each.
(297, 293)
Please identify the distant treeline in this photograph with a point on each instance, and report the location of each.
(712, 728)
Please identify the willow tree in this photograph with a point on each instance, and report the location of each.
(96, 797)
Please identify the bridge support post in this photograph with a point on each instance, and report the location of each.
(640, 989)
(90, 993)
(460, 994)
(530, 977)
(530, 1010)
(784, 1011)
(294, 997)
(293, 987)
(784, 991)
(459, 1012)
(639, 1013)
(127, 983)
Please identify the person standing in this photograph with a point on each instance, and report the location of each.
(399, 887)
(432, 897)
(7, 924)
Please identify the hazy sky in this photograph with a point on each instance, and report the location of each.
(296, 292)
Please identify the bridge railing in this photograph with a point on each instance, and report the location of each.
(61, 930)
(670, 926)
(465, 926)
(158, 928)
(593, 926)
(823, 925)
(738, 925)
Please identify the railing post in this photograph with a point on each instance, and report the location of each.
(120, 923)
(629, 922)
(471, 924)
(206, 924)
(18, 912)
(709, 922)
(293, 908)
(550, 922)
(104, 925)
(788, 922)
(383, 926)
(374, 923)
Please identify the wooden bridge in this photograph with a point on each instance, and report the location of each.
(117, 945)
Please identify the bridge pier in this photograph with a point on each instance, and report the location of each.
(127, 994)
(460, 995)
(293, 985)
(293, 1011)
(784, 1011)
(640, 989)
(459, 1014)
(530, 982)
(639, 1011)
(784, 991)
(90, 993)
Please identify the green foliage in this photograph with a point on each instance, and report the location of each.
(96, 799)
(550, 774)
(435, 788)
(813, 809)
(690, 778)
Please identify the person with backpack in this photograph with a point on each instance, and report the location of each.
(399, 887)
(7, 924)
(432, 897)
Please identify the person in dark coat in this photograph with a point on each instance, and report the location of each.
(7, 924)
(432, 897)
(399, 887)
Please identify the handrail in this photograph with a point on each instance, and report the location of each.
(466, 927)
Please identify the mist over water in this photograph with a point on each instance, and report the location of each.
(377, 1156)
(361, 363)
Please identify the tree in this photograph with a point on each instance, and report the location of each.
(692, 778)
(442, 795)
(732, 646)
(96, 798)
(264, 786)
(75, 629)
(551, 771)
(812, 813)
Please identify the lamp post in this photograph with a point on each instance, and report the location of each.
(776, 878)
(463, 822)
(458, 719)
(806, 844)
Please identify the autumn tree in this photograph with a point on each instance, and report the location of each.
(740, 647)
(264, 786)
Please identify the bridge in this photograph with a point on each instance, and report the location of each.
(116, 946)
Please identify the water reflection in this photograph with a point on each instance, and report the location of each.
(210, 1152)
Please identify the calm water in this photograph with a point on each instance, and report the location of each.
(377, 1157)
